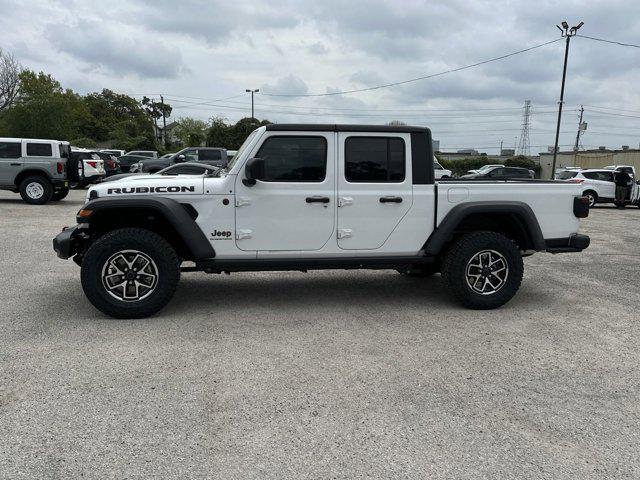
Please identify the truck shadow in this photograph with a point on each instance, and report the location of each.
(322, 291)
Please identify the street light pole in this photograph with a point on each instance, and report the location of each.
(567, 32)
(252, 92)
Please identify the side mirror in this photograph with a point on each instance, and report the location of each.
(253, 170)
(180, 158)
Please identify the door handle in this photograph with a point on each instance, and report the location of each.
(390, 199)
(317, 199)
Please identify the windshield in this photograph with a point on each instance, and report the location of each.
(566, 174)
(241, 150)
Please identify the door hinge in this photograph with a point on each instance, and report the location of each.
(240, 234)
(344, 201)
(345, 233)
(240, 201)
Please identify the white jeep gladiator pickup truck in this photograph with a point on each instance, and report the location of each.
(303, 197)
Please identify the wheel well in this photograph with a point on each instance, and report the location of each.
(511, 225)
(29, 173)
(112, 219)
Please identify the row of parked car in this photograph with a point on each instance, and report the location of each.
(44, 170)
(599, 184)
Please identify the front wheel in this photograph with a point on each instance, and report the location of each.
(483, 270)
(130, 273)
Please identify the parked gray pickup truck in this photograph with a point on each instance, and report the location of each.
(37, 169)
(216, 157)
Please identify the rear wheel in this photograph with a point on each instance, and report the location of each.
(592, 197)
(36, 190)
(483, 270)
(130, 273)
(60, 194)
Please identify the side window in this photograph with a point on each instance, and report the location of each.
(516, 172)
(606, 176)
(191, 156)
(497, 172)
(209, 155)
(374, 159)
(294, 159)
(186, 170)
(590, 175)
(39, 150)
(10, 150)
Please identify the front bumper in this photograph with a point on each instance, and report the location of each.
(575, 243)
(64, 244)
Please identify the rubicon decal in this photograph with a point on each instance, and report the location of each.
(128, 190)
(221, 235)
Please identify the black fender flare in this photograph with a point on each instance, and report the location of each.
(174, 212)
(444, 232)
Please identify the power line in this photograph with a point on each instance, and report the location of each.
(403, 82)
(609, 41)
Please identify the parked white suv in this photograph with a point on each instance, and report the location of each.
(598, 185)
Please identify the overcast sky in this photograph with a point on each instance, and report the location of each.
(197, 52)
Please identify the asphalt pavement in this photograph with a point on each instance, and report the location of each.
(329, 374)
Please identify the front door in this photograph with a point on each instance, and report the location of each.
(293, 206)
(374, 187)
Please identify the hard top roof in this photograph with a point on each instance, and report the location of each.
(319, 127)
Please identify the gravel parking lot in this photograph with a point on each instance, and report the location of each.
(321, 375)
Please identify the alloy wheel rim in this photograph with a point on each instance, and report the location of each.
(487, 272)
(35, 190)
(130, 275)
(592, 200)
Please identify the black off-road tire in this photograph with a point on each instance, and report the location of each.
(41, 184)
(97, 259)
(60, 194)
(460, 254)
(421, 272)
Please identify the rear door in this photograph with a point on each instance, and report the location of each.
(10, 161)
(374, 187)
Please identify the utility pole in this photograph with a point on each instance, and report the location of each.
(500, 147)
(581, 128)
(164, 123)
(567, 32)
(252, 92)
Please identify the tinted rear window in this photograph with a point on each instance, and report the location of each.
(10, 150)
(374, 159)
(209, 155)
(39, 150)
(566, 175)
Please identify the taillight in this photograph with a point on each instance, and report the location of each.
(576, 180)
(60, 167)
(93, 164)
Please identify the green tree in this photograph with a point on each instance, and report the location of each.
(231, 136)
(120, 119)
(44, 109)
(191, 132)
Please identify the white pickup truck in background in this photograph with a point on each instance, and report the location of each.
(304, 197)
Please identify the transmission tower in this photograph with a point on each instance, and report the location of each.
(523, 145)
